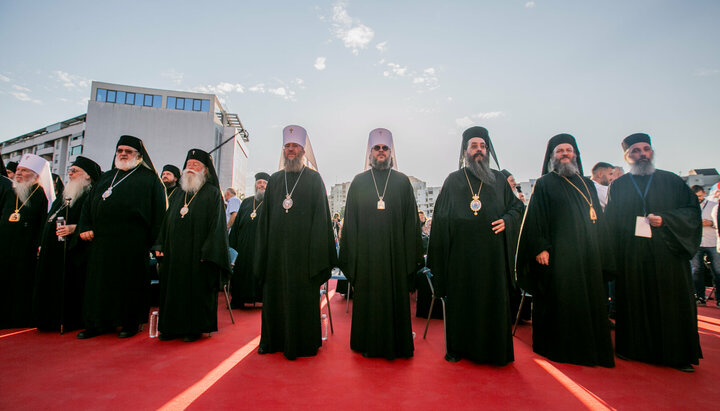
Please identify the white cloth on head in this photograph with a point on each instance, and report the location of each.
(380, 136)
(298, 135)
(41, 167)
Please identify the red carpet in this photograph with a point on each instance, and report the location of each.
(50, 371)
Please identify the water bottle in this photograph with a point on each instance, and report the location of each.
(153, 324)
(324, 326)
(60, 222)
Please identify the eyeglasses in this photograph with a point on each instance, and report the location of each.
(130, 151)
(381, 148)
(73, 170)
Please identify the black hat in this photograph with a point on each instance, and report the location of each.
(262, 176)
(506, 173)
(171, 168)
(473, 132)
(58, 184)
(556, 141)
(635, 138)
(90, 167)
(203, 157)
(12, 166)
(138, 145)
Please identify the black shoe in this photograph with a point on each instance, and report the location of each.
(700, 301)
(685, 368)
(127, 332)
(622, 357)
(89, 333)
(167, 337)
(452, 358)
(261, 350)
(192, 337)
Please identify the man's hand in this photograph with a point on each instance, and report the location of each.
(87, 235)
(498, 226)
(707, 223)
(654, 220)
(65, 230)
(159, 253)
(543, 258)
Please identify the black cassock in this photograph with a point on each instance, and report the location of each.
(472, 266)
(195, 249)
(52, 295)
(380, 252)
(125, 226)
(19, 243)
(245, 286)
(6, 190)
(569, 318)
(656, 311)
(295, 254)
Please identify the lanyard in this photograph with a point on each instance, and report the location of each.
(643, 195)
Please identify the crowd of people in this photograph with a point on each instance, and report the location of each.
(78, 258)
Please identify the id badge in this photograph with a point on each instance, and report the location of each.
(642, 227)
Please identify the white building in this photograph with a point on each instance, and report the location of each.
(336, 199)
(169, 122)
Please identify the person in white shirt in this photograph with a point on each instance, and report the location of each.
(707, 248)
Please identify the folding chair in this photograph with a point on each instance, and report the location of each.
(233, 255)
(338, 275)
(428, 276)
(517, 318)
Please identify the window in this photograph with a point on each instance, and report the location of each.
(148, 100)
(111, 96)
(170, 102)
(76, 150)
(179, 103)
(120, 99)
(197, 104)
(188, 104)
(205, 105)
(101, 94)
(157, 101)
(139, 98)
(130, 98)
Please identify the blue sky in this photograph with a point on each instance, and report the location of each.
(526, 70)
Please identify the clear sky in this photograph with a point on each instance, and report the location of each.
(426, 70)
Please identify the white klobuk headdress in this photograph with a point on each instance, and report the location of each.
(380, 136)
(298, 135)
(42, 168)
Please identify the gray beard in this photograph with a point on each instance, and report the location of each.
(191, 182)
(126, 165)
(259, 195)
(564, 169)
(74, 189)
(480, 169)
(22, 190)
(380, 165)
(294, 165)
(642, 168)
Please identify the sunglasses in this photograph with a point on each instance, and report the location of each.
(379, 148)
(120, 151)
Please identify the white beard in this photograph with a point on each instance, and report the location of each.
(22, 190)
(259, 195)
(75, 189)
(126, 165)
(191, 182)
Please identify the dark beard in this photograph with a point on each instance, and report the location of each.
(480, 169)
(259, 195)
(564, 169)
(294, 165)
(380, 165)
(642, 168)
(170, 184)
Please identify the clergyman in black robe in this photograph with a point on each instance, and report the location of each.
(193, 252)
(245, 286)
(470, 254)
(22, 215)
(295, 252)
(60, 277)
(561, 261)
(170, 177)
(5, 183)
(121, 219)
(656, 311)
(380, 252)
